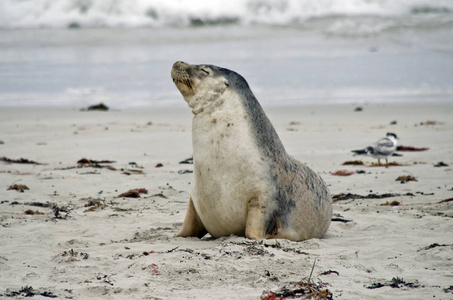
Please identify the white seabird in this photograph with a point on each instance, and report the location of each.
(382, 148)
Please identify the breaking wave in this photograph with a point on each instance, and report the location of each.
(343, 17)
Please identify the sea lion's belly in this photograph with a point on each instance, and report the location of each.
(229, 170)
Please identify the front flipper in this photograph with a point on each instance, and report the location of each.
(254, 227)
(192, 225)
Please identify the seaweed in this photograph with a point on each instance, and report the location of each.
(434, 245)
(340, 220)
(342, 173)
(395, 283)
(19, 161)
(187, 161)
(18, 187)
(84, 161)
(33, 212)
(348, 196)
(297, 290)
(330, 272)
(134, 193)
(393, 203)
(132, 172)
(100, 107)
(60, 213)
(440, 164)
(390, 164)
(29, 291)
(410, 148)
(446, 200)
(405, 178)
(181, 172)
(94, 204)
(91, 163)
(353, 163)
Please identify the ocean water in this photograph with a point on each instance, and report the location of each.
(74, 53)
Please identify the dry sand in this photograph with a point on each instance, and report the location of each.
(104, 247)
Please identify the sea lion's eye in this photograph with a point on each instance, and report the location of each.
(227, 83)
(206, 71)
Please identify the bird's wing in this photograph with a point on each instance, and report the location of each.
(384, 146)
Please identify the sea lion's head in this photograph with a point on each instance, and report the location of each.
(201, 85)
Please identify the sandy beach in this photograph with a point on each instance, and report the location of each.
(68, 233)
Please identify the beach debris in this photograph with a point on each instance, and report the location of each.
(294, 123)
(28, 291)
(390, 164)
(449, 289)
(348, 196)
(396, 282)
(446, 200)
(18, 187)
(94, 204)
(358, 108)
(429, 122)
(338, 219)
(440, 164)
(73, 255)
(411, 149)
(159, 165)
(360, 172)
(275, 245)
(85, 161)
(330, 272)
(422, 193)
(181, 172)
(255, 250)
(132, 172)
(33, 212)
(405, 178)
(91, 163)
(60, 212)
(2, 142)
(101, 107)
(105, 278)
(392, 203)
(393, 122)
(343, 173)
(187, 161)
(147, 253)
(353, 163)
(38, 204)
(434, 245)
(161, 195)
(134, 193)
(155, 268)
(19, 161)
(298, 290)
(137, 171)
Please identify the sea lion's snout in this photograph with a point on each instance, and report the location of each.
(181, 78)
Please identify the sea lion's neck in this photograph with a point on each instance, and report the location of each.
(207, 103)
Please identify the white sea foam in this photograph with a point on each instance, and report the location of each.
(344, 15)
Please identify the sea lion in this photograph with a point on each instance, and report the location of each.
(244, 181)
